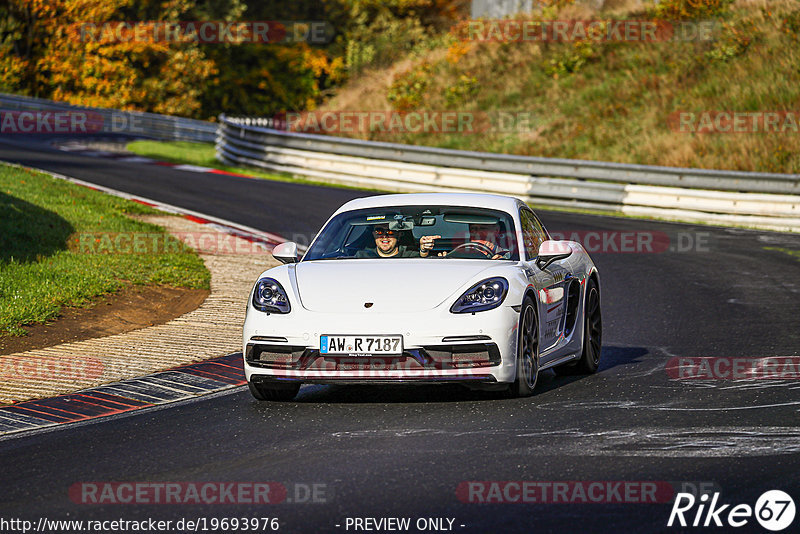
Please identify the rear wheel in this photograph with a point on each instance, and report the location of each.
(592, 336)
(269, 392)
(527, 352)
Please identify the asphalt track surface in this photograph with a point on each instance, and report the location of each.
(403, 451)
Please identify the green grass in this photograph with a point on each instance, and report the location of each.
(791, 252)
(42, 266)
(178, 152)
(203, 154)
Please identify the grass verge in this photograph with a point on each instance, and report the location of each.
(791, 252)
(43, 265)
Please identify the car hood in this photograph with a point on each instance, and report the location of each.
(398, 285)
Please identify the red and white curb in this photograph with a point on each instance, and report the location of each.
(173, 385)
(83, 150)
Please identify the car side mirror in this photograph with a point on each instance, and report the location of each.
(550, 251)
(285, 252)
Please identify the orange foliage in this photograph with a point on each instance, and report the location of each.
(689, 9)
(63, 63)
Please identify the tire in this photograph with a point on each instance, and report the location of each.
(527, 351)
(263, 392)
(592, 336)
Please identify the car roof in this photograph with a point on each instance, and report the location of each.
(478, 200)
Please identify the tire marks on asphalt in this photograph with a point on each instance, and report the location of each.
(706, 442)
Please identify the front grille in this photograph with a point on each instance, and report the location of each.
(274, 356)
(432, 357)
(461, 356)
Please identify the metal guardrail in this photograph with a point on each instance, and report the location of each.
(134, 123)
(763, 200)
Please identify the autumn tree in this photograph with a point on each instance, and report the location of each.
(59, 49)
(48, 52)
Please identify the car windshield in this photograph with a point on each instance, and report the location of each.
(417, 231)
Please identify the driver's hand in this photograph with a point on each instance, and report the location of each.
(426, 244)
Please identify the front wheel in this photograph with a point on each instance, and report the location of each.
(527, 352)
(264, 392)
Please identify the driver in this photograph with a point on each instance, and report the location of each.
(484, 234)
(387, 245)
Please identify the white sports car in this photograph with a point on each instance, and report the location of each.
(424, 288)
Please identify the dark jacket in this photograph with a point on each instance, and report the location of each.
(403, 252)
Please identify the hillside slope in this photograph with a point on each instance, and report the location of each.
(613, 100)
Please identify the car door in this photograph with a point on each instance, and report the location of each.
(549, 283)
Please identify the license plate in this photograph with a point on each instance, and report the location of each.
(361, 345)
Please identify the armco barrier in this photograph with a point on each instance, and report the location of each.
(759, 200)
(138, 124)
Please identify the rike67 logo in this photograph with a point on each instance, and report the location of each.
(774, 510)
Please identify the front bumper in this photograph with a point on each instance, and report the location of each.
(438, 347)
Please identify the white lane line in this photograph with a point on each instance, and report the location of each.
(193, 168)
(135, 159)
(724, 409)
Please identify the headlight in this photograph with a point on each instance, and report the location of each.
(481, 297)
(269, 296)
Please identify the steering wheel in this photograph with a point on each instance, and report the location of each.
(474, 245)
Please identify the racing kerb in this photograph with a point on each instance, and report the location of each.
(758, 200)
